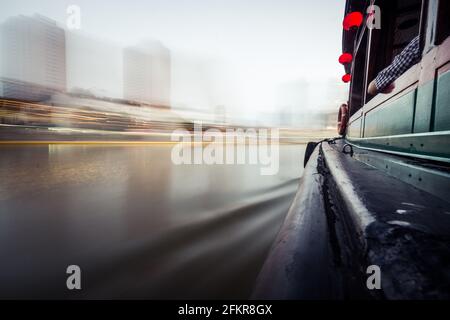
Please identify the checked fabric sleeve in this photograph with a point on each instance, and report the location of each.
(402, 62)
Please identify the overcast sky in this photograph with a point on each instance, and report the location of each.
(249, 47)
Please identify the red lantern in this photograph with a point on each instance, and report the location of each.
(347, 78)
(353, 19)
(345, 58)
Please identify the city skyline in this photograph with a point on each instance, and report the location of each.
(147, 73)
(247, 50)
(33, 59)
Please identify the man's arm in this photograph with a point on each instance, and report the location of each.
(384, 82)
(373, 90)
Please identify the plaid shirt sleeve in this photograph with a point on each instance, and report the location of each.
(402, 62)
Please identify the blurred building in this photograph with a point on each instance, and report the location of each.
(220, 114)
(147, 74)
(335, 93)
(286, 115)
(94, 64)
(293, 103)
(33, 58)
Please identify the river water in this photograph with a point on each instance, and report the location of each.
(137, 225)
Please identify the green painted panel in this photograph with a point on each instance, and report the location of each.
(442, 113)
(354, 129)
(422, 122)
(394, 118)
(434, 146)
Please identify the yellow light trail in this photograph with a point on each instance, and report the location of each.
(24, 142)
(103, 142)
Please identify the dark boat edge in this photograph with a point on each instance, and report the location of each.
(349, 214)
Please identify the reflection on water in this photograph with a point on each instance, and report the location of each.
(137, 225)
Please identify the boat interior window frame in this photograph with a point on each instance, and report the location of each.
(442, 21)
(360, 52)
(383, 40)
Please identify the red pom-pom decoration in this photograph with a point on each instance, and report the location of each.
(345, 58)
(347, 78)
(353, 19)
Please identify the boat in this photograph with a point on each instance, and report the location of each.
(371, 218)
